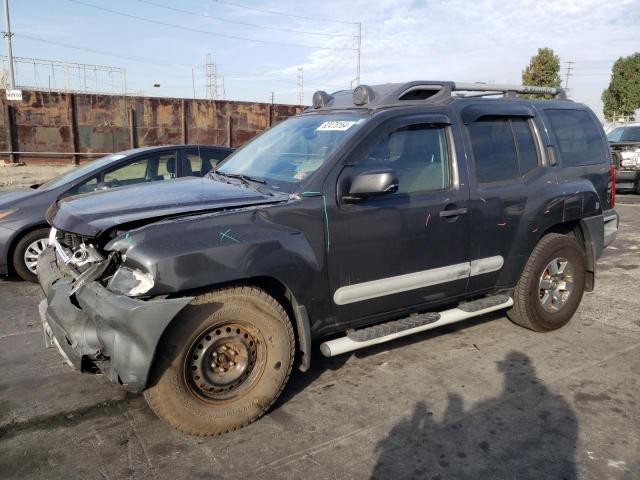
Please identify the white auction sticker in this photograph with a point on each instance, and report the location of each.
(336, 125)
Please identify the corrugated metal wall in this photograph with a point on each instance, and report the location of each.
(65, 123)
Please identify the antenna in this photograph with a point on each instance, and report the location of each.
(301, 85)
(193, 82)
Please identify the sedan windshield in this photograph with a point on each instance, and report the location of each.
(624, 134)
(288, 153)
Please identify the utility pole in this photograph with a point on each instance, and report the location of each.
(301, 85)
(358, 51)
(7, 35)
(569, 68)
(271, 98)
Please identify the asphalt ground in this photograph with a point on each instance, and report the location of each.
(478, 400)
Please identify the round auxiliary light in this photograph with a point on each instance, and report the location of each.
(362, 95)
(321, 99)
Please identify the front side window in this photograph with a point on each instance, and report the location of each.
(579, 139)
(293, 150)
(417, 154)
(503, 148)
(148, 168)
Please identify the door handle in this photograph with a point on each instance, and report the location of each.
(453, 213)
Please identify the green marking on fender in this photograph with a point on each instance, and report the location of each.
(225, 234)
(326, 220)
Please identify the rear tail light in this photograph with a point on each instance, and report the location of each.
(612, 200)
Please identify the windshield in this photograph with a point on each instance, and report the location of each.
(76, 173)
(288, 153)
(624, 134)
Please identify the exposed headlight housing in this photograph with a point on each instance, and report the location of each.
(130, 282)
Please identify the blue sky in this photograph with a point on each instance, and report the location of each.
(481, 40)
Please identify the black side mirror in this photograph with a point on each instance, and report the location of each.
(373, 183)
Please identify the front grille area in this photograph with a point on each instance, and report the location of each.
(71, 241)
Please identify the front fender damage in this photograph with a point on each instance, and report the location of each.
(97, 329)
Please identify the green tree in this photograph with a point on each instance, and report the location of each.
(543, 70)
(622, 97)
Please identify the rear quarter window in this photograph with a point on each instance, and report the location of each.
(578, 137)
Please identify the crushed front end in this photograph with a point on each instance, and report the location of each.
(96, 314)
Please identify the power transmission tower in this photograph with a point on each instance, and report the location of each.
(358, 51)
(7, 35)
(569, 68)
(211, 79)
(301, 85)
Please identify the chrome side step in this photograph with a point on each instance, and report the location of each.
(357, 339)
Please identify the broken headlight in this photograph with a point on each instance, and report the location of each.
(130, 282)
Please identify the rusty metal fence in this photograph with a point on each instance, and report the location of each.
(57, 128)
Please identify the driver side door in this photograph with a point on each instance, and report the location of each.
(399, 252)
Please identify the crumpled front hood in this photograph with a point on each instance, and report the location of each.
(91, 214)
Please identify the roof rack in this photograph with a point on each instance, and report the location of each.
(420, 92)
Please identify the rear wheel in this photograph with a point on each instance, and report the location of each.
(551, 286)
(27, 251)
(222, 362)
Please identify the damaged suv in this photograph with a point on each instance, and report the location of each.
(377, 213)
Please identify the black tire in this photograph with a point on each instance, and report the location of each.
(195, 400)
(18, 261)
(636, 190)
(528, 310)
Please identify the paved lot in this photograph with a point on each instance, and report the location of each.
(481, 400)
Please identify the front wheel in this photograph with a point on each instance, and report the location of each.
(27, 251)
(222, 362)
(551, 286)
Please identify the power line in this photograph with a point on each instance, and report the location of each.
(227, 20)
(272, 12)
(197, 30)
(103, 52)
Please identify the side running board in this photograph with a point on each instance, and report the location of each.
(385, 332)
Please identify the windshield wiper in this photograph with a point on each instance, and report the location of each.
(245, 178)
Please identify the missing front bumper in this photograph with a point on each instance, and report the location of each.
(95, 329)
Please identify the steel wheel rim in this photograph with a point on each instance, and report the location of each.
(224, 362)
(33, 251)
(556, 284)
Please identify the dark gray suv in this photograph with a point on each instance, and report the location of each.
(375, 214)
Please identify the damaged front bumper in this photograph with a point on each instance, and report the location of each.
(98, 331)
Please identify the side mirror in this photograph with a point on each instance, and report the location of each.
(373, 183)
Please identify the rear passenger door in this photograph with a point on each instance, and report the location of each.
(508, 178)
(197, 162)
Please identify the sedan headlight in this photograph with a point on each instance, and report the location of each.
(130, 282)
(5, 213)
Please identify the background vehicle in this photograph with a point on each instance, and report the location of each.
(378, 213)
(23, 229)
(625, 148)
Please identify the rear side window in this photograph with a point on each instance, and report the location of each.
(503, 149)
(579, 140)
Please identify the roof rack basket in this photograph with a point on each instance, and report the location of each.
(487, 89)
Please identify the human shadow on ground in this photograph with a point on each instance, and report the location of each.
(524, 432)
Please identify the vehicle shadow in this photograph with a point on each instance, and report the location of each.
(319, 363)
(523, 432)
